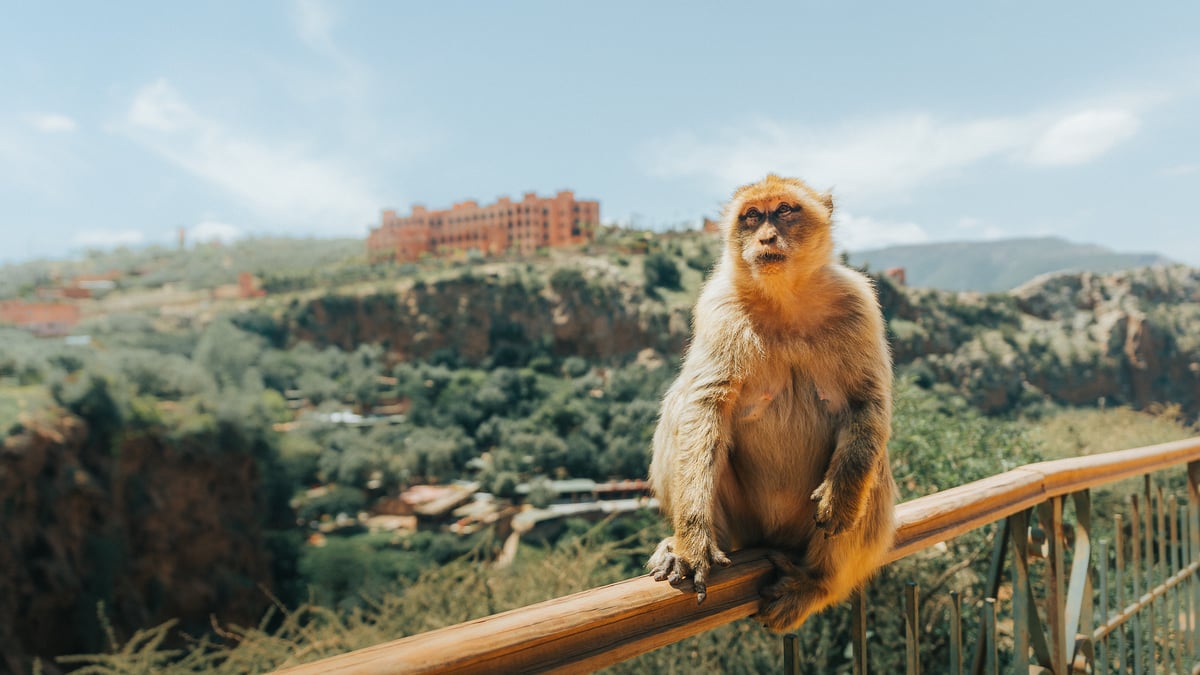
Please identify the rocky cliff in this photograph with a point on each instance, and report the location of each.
(501, 318)
(1126, 338)
(153, 529)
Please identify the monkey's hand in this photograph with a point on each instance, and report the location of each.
(839, 507)
(679, 557)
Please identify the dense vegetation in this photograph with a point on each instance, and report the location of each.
(498, 396)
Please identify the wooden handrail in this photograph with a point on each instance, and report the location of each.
(602, 626)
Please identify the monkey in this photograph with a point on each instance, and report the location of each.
(775, 431)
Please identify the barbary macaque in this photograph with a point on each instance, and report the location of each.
(775, 432)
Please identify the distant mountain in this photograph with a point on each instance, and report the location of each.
(997, 265)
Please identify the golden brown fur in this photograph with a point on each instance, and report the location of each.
(775, 432)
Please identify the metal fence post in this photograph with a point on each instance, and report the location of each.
(791, 654)
(1056, 597)
(912, 630)
(956, 654)
(858, 630)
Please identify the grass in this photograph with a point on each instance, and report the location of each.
(1088, 431)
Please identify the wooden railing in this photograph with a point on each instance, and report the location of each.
(602, 626)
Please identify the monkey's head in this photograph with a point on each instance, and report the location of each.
(779, 226)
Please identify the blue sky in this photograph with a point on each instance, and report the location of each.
(122, 122)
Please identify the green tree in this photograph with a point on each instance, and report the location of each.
(505, 485)
(661, 271)
(227, 352)
(337, 499)
(541, 494)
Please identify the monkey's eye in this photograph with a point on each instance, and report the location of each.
(752, 216)
(784, 209)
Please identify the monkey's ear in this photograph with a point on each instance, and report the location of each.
(827, 199)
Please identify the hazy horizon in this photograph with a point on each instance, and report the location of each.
(79, 255)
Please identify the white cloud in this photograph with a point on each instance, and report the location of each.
(280, 181)
(1180, 170)
(313, 23)
(857, 233)
(210, 230)
(101, 238)
(1083, 136)
(157, 107)
(53, 123)
(885, 158)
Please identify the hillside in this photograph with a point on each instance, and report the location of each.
(351, 384)
(203, 265)
(1075, 339)
(289, 264)
(1125, 338)
(997, 265)
(1072, 337)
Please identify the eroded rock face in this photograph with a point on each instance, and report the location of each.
(477, 318)
(1127, 338)
(1058, 296)
(153, 530)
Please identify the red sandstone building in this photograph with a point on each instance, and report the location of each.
(521, 226)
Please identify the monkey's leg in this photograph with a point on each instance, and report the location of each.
(830, 568)
(801, 590)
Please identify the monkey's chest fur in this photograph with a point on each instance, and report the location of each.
(784, 434)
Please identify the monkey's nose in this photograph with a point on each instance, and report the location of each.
(768, 238)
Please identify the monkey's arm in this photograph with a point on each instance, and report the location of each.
(691, 449)
(854, 469)
(863, 427)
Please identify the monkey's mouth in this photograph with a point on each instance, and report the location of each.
(769, 258)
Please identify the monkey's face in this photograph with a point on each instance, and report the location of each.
(781, 225)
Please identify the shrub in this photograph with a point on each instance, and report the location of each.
(661, 272)
(338, 499)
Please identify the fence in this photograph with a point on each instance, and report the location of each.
(1130, 605)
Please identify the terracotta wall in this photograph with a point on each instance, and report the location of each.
(522, 225)
(43, 318)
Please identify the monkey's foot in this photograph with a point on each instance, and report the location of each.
(837, 510)
(662, 559)
(788, 602)
(666, 564)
